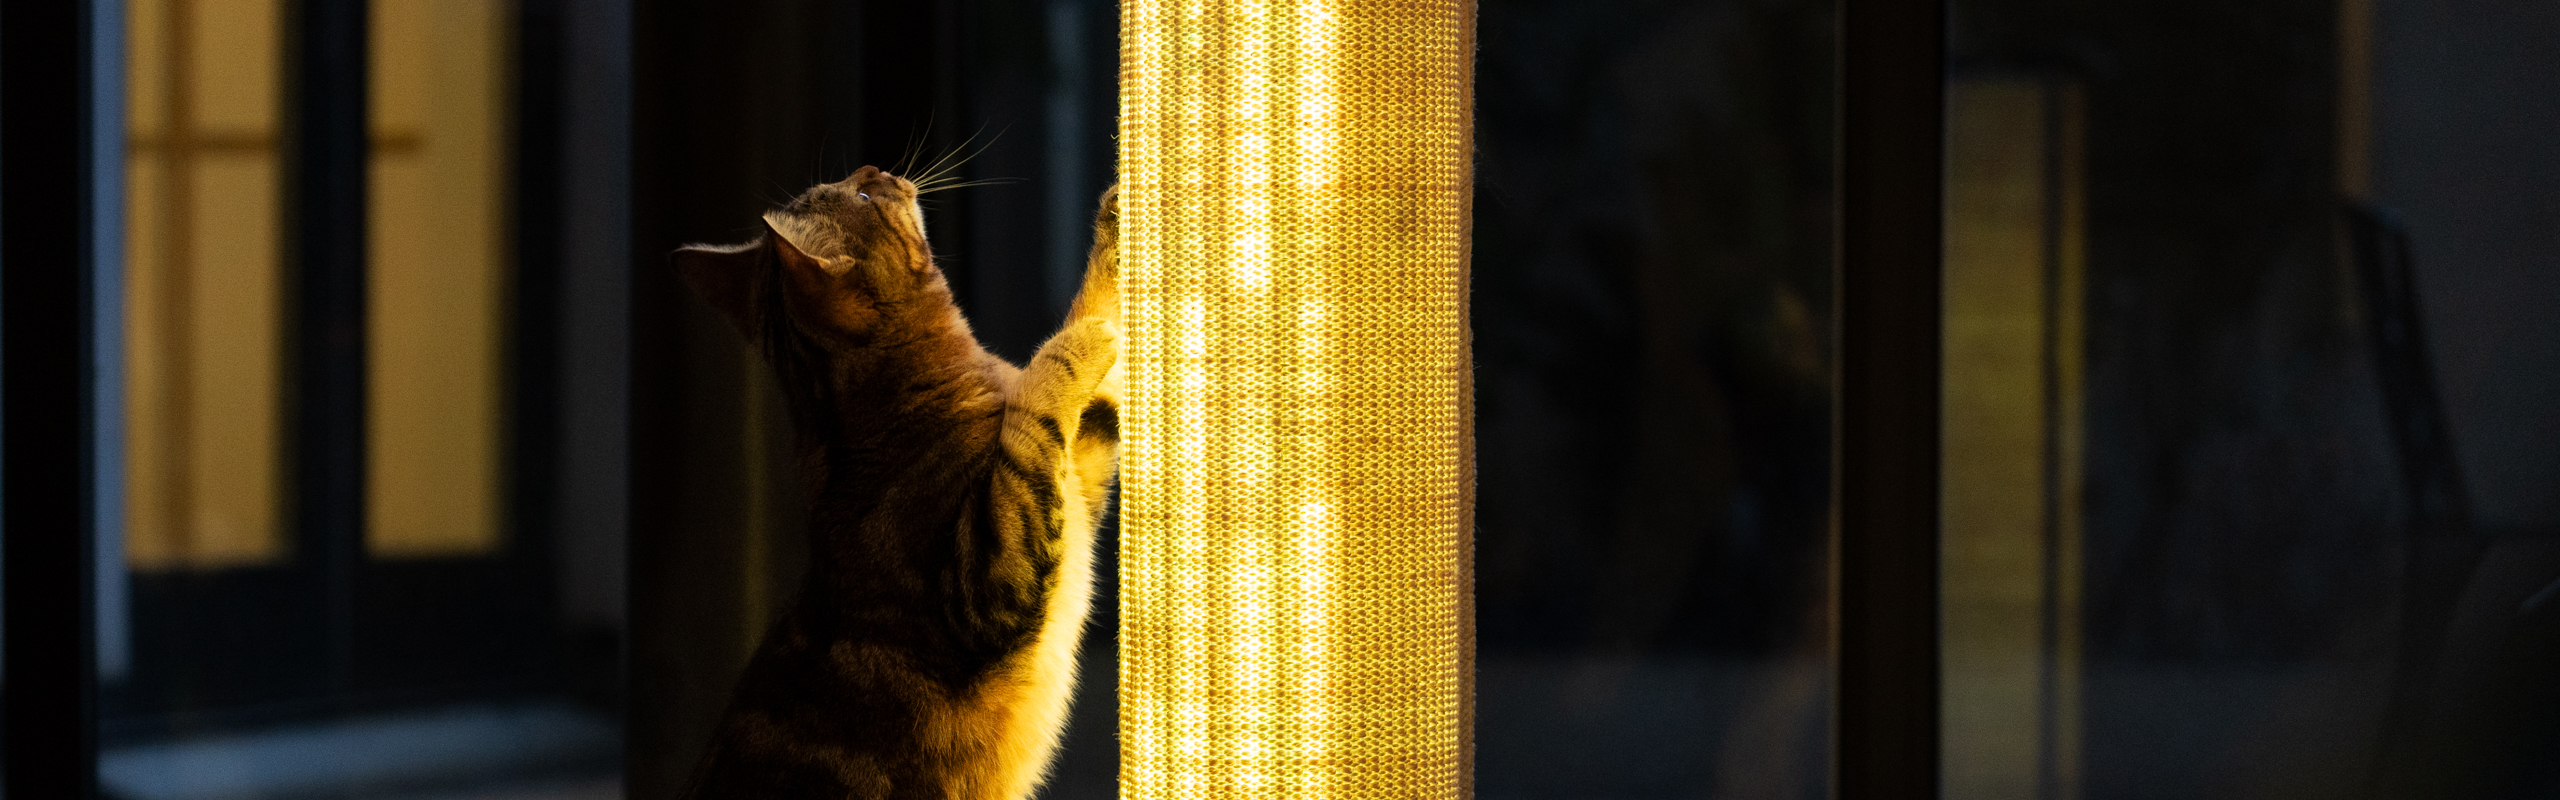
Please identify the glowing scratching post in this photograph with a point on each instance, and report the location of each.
(1298, 462)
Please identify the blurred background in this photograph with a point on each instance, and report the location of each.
(423, 478)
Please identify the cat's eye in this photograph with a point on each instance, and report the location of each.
(865, 195)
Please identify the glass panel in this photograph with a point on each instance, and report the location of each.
(1652, 279)
(2250, 351)
(437, 282)
(204, 287)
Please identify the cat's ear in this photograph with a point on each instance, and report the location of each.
(789, 254)
(733, 278)
(726, 277)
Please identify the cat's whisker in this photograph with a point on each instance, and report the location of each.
(940, 169)
(936, 169)
(782, 191)
(929, 171)
(818, 161)
(947, 185)
(947, 177)
(915, 146)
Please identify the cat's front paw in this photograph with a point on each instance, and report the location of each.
(1106, 216)
(1093, 344)
(1099, 296)
(1069, 367)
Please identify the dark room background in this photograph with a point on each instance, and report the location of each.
(2250, 363)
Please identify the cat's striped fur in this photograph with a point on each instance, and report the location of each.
(931, 653)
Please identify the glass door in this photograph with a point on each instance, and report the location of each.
(333, 481)
(2244, 309)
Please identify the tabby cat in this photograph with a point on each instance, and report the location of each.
(954, 497)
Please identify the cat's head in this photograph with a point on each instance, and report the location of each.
(842, 265)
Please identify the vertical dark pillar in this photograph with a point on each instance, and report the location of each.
(1885, 424)
(733, 105)
(912, 83)
(534, 368)
(1030, 71)
(593, 506)
(50, 697)
(689, 631)
(900, 78)
(328, 207)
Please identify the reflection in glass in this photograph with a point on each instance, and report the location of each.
(2012, 479)
(1652, 278)
(2313, 250)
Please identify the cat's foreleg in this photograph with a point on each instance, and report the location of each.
(1049, 398)
(1044, 412)
(1099, 297)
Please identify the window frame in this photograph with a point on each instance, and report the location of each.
(1885, 396)
(47, 95)
(326, 604)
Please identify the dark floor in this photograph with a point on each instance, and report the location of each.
(527, 751)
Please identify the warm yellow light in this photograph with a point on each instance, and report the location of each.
(1297, 469)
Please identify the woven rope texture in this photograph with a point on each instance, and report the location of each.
(1294, 188)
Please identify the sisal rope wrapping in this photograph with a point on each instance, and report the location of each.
(1297, 461)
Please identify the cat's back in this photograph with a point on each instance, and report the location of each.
(870, 702)
(875, 685)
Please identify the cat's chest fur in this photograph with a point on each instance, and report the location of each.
(920, 661)
(1002, 731)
